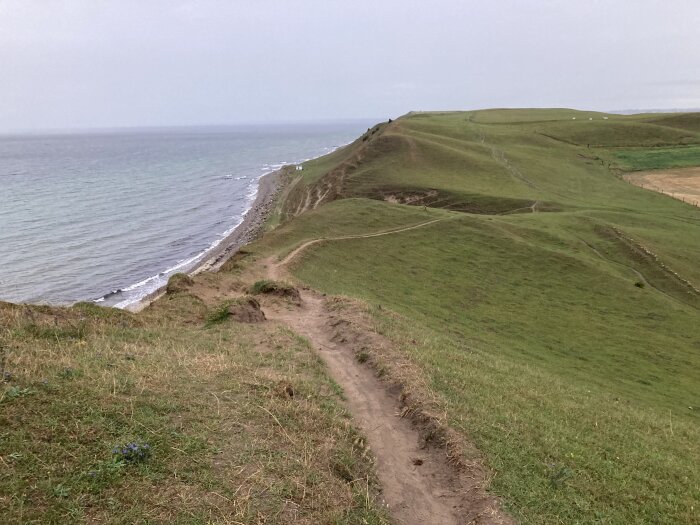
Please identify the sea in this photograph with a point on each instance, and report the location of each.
(108, 216)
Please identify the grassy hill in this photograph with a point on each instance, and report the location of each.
(547, 308)
(553, 309)
(175, 415)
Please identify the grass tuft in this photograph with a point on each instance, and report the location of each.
(178, 282)
(277, 288)
(219, 314)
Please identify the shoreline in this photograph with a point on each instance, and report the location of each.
(270, 185)
(250, 228)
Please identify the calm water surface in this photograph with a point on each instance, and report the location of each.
(86, 215)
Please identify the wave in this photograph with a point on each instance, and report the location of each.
(151, 284)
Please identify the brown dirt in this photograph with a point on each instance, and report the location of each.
(409, 198)
(420, 482)
(247, 310)
(682, 183)
(331, 185)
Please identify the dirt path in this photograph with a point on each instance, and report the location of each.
(419, 485)
(275, 269)
(414, 494)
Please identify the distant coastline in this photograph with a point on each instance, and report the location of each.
(653, 110)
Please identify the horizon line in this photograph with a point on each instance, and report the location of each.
(156, 127)
(290, 122)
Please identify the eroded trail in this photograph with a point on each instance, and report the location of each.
(414, 494)
(277, 269)
(419, 484)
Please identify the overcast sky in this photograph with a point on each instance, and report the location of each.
(99, 63)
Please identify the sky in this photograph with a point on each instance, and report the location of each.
(100, 63)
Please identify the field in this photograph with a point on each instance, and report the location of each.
(553, 308)
(682, 184)
(532, 309)
(658, 158)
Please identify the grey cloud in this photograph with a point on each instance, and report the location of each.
(84, 63)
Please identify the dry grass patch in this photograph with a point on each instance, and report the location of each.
(241, 423)
(682, 183)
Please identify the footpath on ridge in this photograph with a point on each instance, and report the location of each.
(419, 483)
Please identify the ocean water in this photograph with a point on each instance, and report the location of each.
(109, 216)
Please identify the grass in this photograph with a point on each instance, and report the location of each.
(552, 312)
(219, 313)
(658, 158)
(266, 286)
(563, 343)
(178, 282)
(225, 443)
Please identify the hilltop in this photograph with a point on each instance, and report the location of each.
(492, 275)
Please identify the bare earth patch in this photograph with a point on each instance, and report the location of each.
(682, 183)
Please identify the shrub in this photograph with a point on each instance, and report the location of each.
(219, 314)
(178, 282)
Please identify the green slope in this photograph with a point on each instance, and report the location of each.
(554, 309)
(228, 442)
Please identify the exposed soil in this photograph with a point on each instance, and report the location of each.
(682, 183)
(409, 197)
(246, 310)
(420, 484)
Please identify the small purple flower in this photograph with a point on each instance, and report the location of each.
(132, 452)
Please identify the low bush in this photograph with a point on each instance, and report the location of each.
(178, 282)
